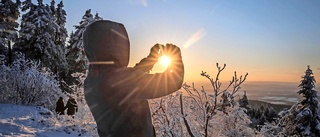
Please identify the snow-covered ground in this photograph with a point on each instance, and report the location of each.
(25, 121)
(30, 121)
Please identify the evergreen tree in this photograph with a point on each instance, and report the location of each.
(9, 13)
(75, 53)
(52, 7)
(27, 4)
(307, 88)
(243, 102)
(303, 118)
(308, 115)
(270, 114)
(37, 40)
(62, 33)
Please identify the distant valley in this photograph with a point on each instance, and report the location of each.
(280, 93)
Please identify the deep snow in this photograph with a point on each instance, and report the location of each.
(29, 121)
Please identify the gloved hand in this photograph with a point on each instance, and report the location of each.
(156, 51)
(172, 51)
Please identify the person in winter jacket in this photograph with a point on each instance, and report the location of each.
(60, 106)
(116, 94)
(71, 106)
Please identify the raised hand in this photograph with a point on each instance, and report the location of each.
(156, 51)
(172, 51)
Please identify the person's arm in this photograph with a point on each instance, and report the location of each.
(161, 84)
(146, 64)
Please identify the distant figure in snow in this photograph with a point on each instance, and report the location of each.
(60, 106)
(71, 106)
(116, 94)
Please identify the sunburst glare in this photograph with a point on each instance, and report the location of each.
(164, 60)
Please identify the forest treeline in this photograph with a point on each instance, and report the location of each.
(37, 32)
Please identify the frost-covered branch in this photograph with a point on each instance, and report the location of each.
(237, 82)
(197, 97)
(184, 118)
(166, 116)
(203, 102)
(25, 83)
(198, 110)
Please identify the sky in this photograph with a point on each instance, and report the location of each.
(271, 40)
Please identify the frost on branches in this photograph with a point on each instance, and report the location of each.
(8, 21)
(76, 57)
(62, 33)
(37, 36)
(8, 26)
(24, 83)
(199, 114)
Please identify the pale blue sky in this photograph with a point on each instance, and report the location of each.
(272, 40)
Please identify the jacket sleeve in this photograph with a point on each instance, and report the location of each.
(161, 84)
(146, 64)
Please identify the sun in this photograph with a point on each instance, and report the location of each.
(164, 60)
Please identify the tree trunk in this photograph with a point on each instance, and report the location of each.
(9, 53)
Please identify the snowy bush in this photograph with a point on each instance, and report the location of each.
(166, 115)
(199, 114)
(24, 83)
(170, 120)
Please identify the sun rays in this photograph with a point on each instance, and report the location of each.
(194, 38)
(164, 60)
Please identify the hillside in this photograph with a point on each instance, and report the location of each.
(276, 107)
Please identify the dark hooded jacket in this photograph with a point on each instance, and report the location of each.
(117, 95)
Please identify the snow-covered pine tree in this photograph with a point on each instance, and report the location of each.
(307, 86)
(53, 7)
(37, 40)
(62, 34)
(75, 53)
(27, 29)
(9, 13)
(309, 114)
(303, 118)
